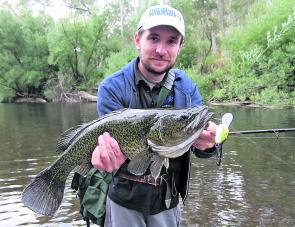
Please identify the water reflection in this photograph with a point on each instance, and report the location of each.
(28, 137)
(253, 187)
(12, 211)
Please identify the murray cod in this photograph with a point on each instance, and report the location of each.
(147, 137)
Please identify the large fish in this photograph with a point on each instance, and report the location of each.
(147, 137)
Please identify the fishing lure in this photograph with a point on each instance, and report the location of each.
(222, 133)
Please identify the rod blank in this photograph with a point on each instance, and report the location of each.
(237, 133)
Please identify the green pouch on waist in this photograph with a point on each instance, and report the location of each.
(92, 191)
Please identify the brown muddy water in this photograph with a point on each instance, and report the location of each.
(254, 186)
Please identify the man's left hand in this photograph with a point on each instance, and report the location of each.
(206, 140)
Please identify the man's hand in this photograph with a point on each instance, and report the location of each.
(107, 155)
(206, 139)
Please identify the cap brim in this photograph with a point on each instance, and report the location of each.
(153, 24)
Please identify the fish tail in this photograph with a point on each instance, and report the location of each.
(44, 194)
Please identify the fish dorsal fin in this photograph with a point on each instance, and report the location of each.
(115, 112)
(67, 137)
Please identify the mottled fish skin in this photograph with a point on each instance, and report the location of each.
(173, 141)
(123, 125)
(143, 136)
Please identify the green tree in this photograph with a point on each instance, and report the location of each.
(79, 46)
(24, 53)
(262, 55)
(201, 21)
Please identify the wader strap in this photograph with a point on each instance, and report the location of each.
(166, 88)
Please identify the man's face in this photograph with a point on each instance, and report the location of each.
(158, 49)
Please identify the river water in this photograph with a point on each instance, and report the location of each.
(254, 186)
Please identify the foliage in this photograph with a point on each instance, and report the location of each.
(24, 53)
(118, 59)
(264, 17)
(272, 95)
(79, 47)
(197, 43)
(207, 84)
(245, 53)
(192, 53)
(262, 57)
(257, 26)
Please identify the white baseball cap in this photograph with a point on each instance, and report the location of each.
(162, 15)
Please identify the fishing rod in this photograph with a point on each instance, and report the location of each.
(218, 145)
(275, 131)
(222, 134)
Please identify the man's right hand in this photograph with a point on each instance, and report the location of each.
(107, 155)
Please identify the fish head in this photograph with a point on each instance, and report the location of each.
(178, 130)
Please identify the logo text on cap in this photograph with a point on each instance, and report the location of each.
(163, 11)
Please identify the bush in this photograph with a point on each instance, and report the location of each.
(206, 83)
(272, 96)
(258, 25)
(117, 60)
(262, 58)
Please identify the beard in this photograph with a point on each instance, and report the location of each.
(153, 71)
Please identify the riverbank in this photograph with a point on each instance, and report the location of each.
(80, 96)
(248, 104)
(83, 96)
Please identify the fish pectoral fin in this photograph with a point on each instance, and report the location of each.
(140, 163)
(157, 164)
(83, 169)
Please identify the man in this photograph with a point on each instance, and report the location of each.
(134, 200)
